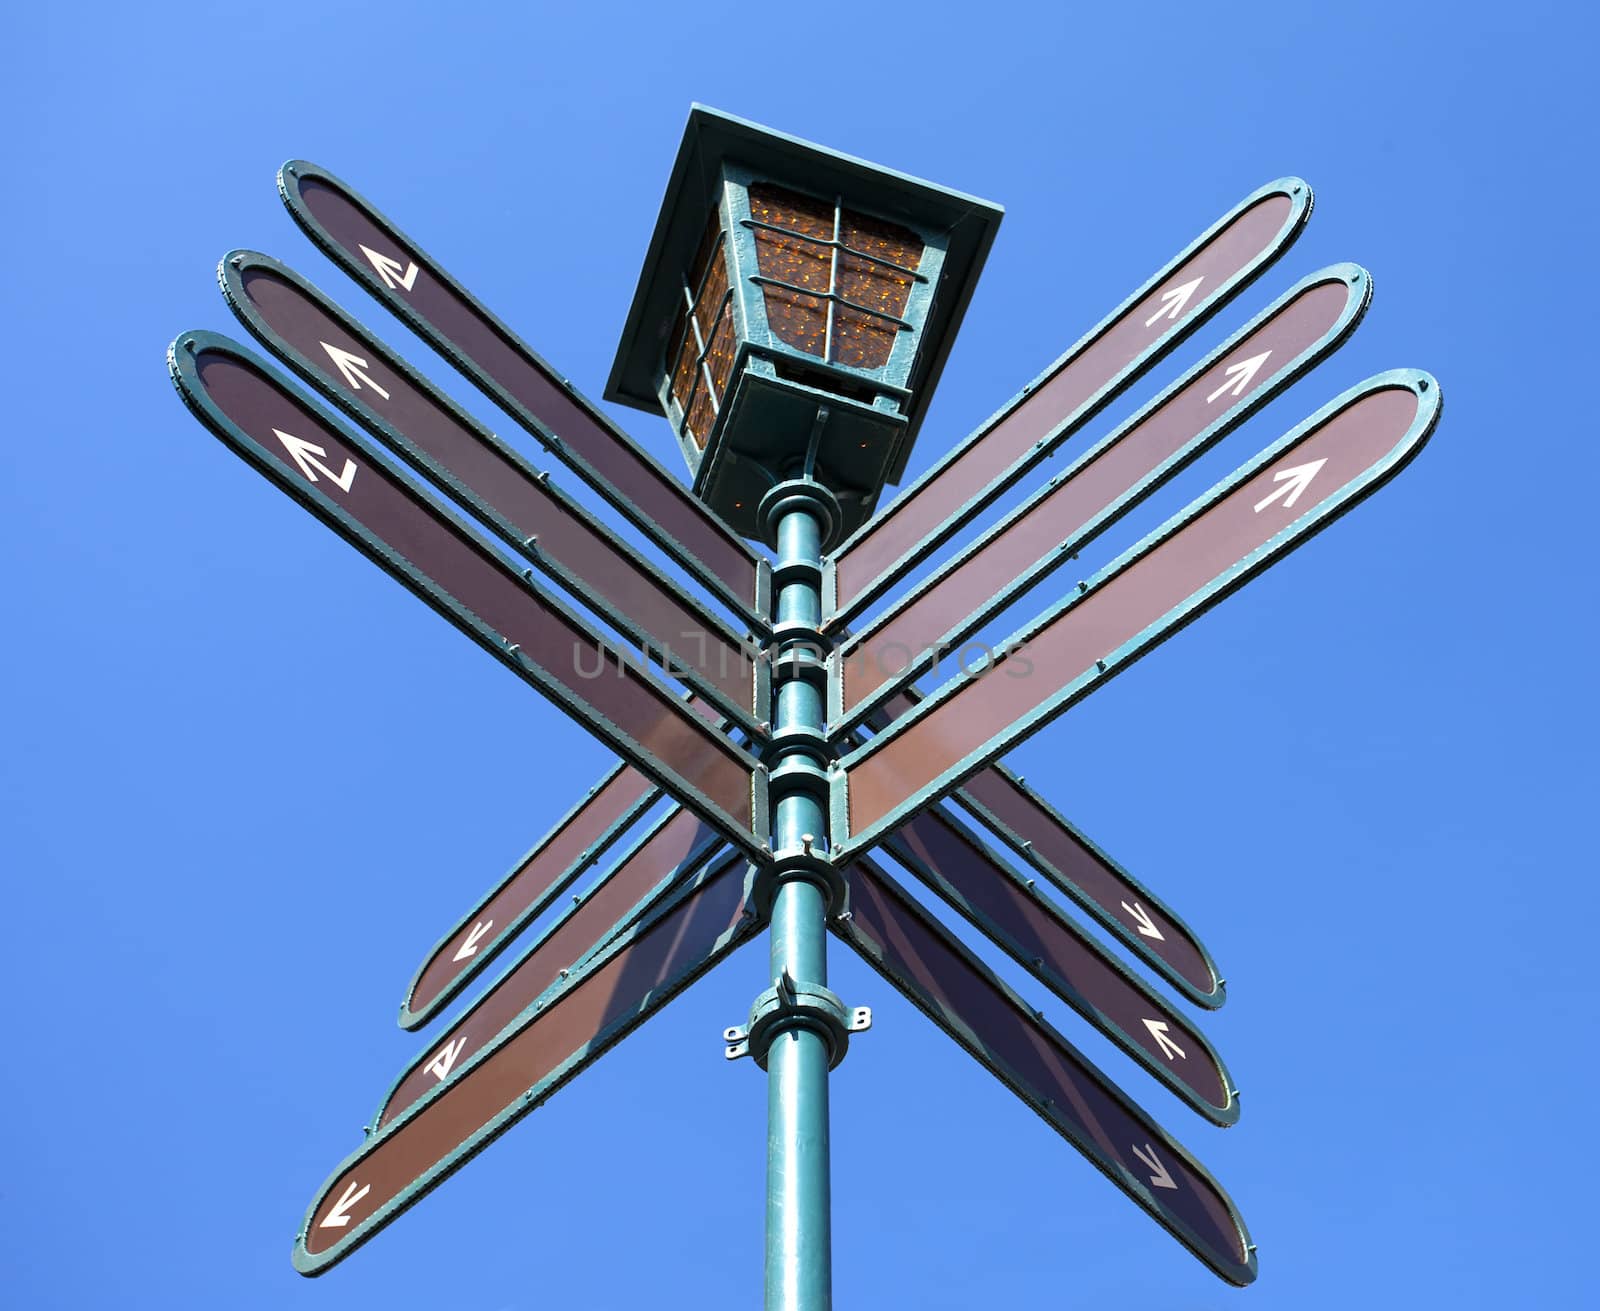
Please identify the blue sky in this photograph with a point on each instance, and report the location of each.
(249, 780)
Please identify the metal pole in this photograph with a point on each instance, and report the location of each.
(799, 1262)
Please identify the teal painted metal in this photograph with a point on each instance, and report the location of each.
(614, 465)
(675, 650)
(182, 359)
(799, 1243)
(473, 1137)
(841, 608)
(1274, 379)
(850, 841)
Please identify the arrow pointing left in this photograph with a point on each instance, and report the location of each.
(353, 368)
(310, 457)
(469, 946)
(390, 271)
(390, 521)
(339, 1213)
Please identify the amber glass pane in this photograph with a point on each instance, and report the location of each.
(684, 350)
(795, 318)
(860, 340)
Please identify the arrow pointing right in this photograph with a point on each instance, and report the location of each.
(337, 1217)
(1173, 302)
(470, 946)
(351, 367)
(1239, 376)
(1159, 1178)
(1147, 926)
(390, 271)
(1291, 483)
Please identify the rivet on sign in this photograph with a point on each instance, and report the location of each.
(1027, 883)
(1100, 665)
(189, 344)
(237, 261)
(512, 648)
(1082, 586)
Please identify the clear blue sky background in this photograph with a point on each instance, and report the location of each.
(248, 780)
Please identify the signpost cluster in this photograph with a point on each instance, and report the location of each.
(778, 747)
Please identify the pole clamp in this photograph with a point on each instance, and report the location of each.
(789, 1005)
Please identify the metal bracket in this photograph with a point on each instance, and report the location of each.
(788, 1005)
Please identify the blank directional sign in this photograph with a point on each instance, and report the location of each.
(556, 862)
(1112, 477)
(954, 989)
(677, 845)
(399, 273)
(485, 1094)
(952, 860)
(307, 454)
(369, 381)
(1103, 364)
(1289, 492)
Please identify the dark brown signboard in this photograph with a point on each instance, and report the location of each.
(1293, 489)
(330, 472)
(555, 863)
(677, 845)
(400, 274)
(1162, 314)
(955, 990)
(1076, 866)
(542, 1049)
(1187, 419)
(951, 860)
(468, 462)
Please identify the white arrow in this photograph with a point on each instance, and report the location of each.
(336, 1218)
(1158, 1031)
(470, 946)
(442, 1064)
(310, 458)
(1240, 375)
(351, 366)
(1147, 926)
(1294, 481)
(1159, 1179)
(390, 271)
(1172, 302)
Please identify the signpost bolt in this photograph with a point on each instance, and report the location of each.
(806, 839)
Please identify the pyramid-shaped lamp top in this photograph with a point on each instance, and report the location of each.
(794, 313)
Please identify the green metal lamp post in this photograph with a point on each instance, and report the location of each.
(794, 314)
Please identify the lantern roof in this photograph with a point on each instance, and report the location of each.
(713, 138)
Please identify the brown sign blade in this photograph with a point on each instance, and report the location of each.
(371, 249)
(546, 1045)
(1103, 364)
(1077, 867)
(318, 462)
(1293, 489)
(466, 461)
(952, 861)
(1114, 476)
(678, 844)
(959, 994)
(555, 863)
